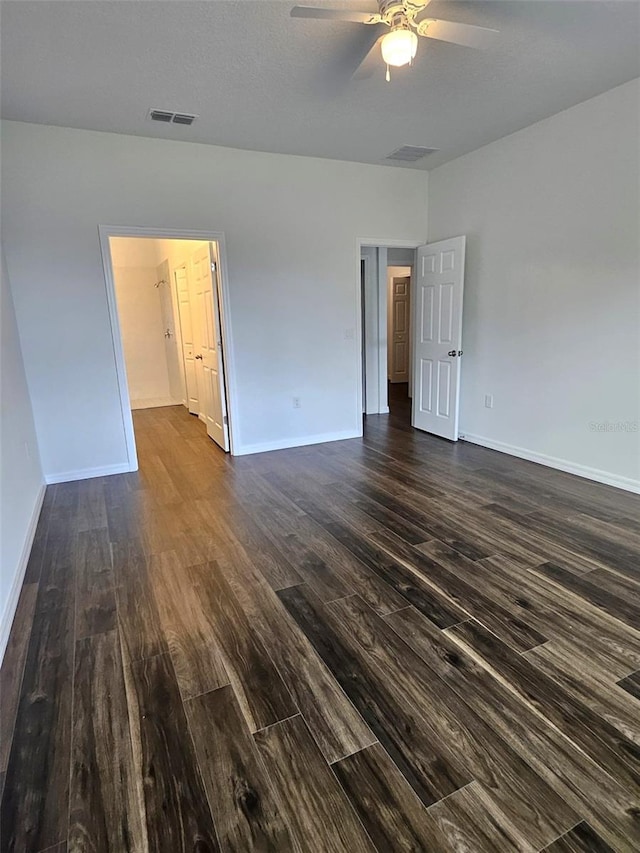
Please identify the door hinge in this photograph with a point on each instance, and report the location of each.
(225, 420)
(213, 267)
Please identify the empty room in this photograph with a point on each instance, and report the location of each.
(320, 426)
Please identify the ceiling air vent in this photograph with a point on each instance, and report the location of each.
(160, 115)
(409, 153)
(184, 118)
(171, 117)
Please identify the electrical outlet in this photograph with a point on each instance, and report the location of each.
(488, 401)
(296, 403)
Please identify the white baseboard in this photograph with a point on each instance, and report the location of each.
(88, 473)
(284, 444)
(14, 593)
(585, 471)
(155, 403)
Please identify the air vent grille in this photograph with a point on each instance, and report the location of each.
(183, 118)
(169, 117)
(409, 153)
(160, 115)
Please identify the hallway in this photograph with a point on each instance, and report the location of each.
(399, 403)
(393, 643)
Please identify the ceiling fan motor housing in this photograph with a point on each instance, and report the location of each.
(398, 12)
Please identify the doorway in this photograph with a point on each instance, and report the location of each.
(412, 332)
(399, 337)
(386, 334)
(167, 305)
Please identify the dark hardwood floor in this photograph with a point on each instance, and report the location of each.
(392, 644)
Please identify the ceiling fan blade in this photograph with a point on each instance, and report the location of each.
(465, 34)
(335, 15)
(371, 62)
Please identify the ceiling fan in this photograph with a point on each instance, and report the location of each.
(400, 44)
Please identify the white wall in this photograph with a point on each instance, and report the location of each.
(136, 252)
(401, 257)
(178, 252)
(21, 481)
(552, 289)
(142, 326)
(374, 330)
(291, 226)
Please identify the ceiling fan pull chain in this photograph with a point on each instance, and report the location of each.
(388, 76)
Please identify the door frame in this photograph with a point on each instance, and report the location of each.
(107, 231)
(381, 307)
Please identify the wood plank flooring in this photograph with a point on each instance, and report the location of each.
(391, 644)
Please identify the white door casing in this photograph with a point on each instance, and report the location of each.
(181, 279)
(374, 329)
(398, 332)
(437, 333)
(198, 273)
(105, 232)
(213, 406)
(219, 429)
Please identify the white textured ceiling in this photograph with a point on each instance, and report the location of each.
(264, 81)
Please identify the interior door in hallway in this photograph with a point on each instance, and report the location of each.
(188, 343)
(398, 331)
(170, 338)
(213, 408)
(437, 330)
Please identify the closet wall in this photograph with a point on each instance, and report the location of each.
(145, 311)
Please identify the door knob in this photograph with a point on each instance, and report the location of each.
(452, 353)
(199, 356)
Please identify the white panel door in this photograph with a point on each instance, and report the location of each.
(170, 338)
(183, 292)
(213, 403)
(437, 330)
(398, 334)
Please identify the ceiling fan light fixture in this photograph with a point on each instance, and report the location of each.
(399, 47)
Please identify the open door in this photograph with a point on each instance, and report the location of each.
(188, 339)
(437, 333)
(176, 391)
(213, 404)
